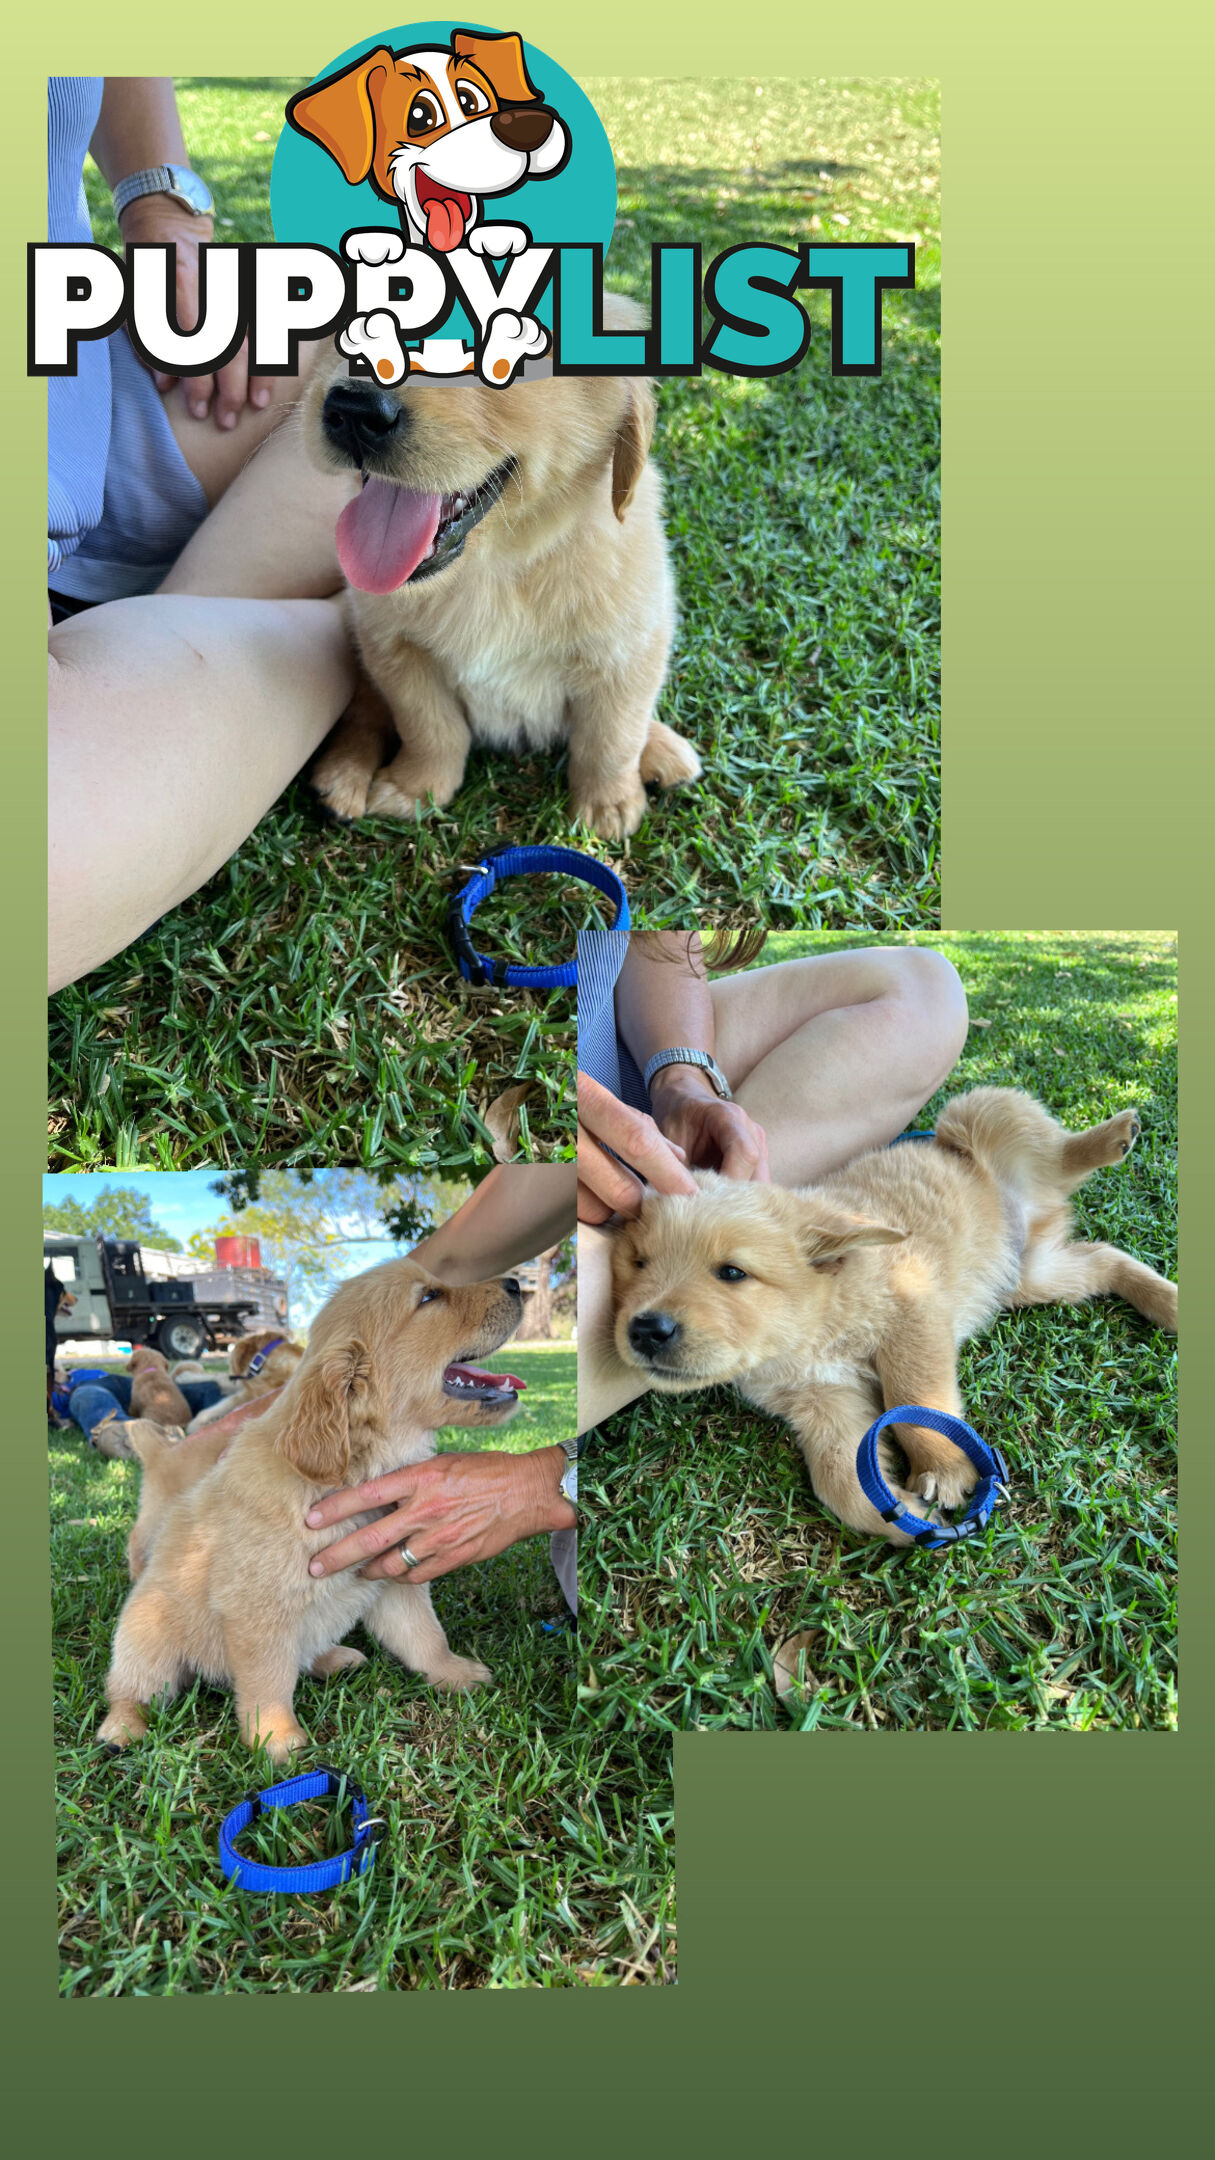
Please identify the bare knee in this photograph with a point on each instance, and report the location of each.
(934, 1018)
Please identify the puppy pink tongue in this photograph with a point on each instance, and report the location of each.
(384, 533)
(444, 224)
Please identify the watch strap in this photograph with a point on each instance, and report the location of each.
(158, 180)
(685, 1056)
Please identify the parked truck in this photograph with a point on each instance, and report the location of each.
(179, 1304)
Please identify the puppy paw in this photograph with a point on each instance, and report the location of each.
(458, 1673)
(611, 815)
(375, 338)
(110, 1439)
(342, 787)
(496, 240)
(123, 1725)
(509, 341)
(667, 759)
(342, 1659)
(377, 244)
(1121, 1132)
(282, 1743)
(945, 1485)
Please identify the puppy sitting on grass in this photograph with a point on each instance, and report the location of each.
(509, 585)
(829, 1305)
(221, 1548)
(153, 1394)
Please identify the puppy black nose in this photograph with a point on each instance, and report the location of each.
(511, 1285)
(522, 127)
(359, 417)
(650, 1332)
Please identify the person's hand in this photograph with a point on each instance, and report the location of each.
(605, 1187)
(450, 1511)
(713, 1135)
(158, 219)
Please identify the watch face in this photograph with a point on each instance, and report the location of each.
(192, 190)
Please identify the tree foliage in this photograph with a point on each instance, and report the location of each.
(120, 1212)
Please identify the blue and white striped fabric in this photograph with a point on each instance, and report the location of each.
(601, 1053)
(121, 500)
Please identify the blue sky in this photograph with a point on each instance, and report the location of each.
(182, 1201)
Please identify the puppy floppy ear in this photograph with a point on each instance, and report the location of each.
(828, 1234)
(501, 61)
(340, 114)
(326, 1410)
(632, 444)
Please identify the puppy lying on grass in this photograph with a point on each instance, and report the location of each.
(221, 1548)
(829, 1305)
(509, 585)
(281, 1356)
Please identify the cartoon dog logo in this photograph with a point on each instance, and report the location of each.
(437, 129)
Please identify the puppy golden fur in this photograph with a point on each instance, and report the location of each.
(554, 621)
(221, 1548)
(276, 1371)
(153, 1394)
(828, 1305)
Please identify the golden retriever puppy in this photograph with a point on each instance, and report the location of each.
(153, 1394)
(829, 1305)
(509, 585)
(275, 1357)
(224, 1588)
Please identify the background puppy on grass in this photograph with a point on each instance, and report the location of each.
(509, 585)
(153, 1394)
(220, 1550)
(829, 1305)
(244, 1385)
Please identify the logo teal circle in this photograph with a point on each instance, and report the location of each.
(312, 203)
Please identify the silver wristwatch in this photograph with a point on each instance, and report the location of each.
(569, 1481)
(699, 1058)
(184, 186)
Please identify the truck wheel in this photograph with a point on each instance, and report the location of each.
(180, 1337)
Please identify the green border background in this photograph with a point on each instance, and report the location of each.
(1040, 1899)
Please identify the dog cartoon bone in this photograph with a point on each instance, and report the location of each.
(374, 338)
(509, 341)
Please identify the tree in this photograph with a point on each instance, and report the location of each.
(306, 1221)
(537, 1322)
(120, 1212)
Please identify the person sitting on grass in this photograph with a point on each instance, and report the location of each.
(197, 657)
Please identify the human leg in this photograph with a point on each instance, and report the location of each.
(605, 1384)
(175, 722)
(833, 1055)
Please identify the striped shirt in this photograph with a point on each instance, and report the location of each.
(601, 1052)
(121, 500)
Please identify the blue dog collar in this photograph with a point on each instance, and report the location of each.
(321, 1784)
(507, 862)
(988, 1461)
(255, 1364)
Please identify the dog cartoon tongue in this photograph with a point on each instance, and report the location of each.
(446, 211)
(384, 533)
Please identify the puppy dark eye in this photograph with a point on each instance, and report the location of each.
(471, 100)
(422, 116)
(428, 1296)
(639, 1263)
(729, 1273)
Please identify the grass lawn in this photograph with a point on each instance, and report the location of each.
(498, 1867)
(302, 1006)
(704, 1549)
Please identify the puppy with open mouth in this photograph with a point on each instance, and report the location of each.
(832, 1304)
(221, 1544)
(509, 585)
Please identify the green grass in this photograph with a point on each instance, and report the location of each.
(502, 1865)
(703, 1546)
(302, 1006)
